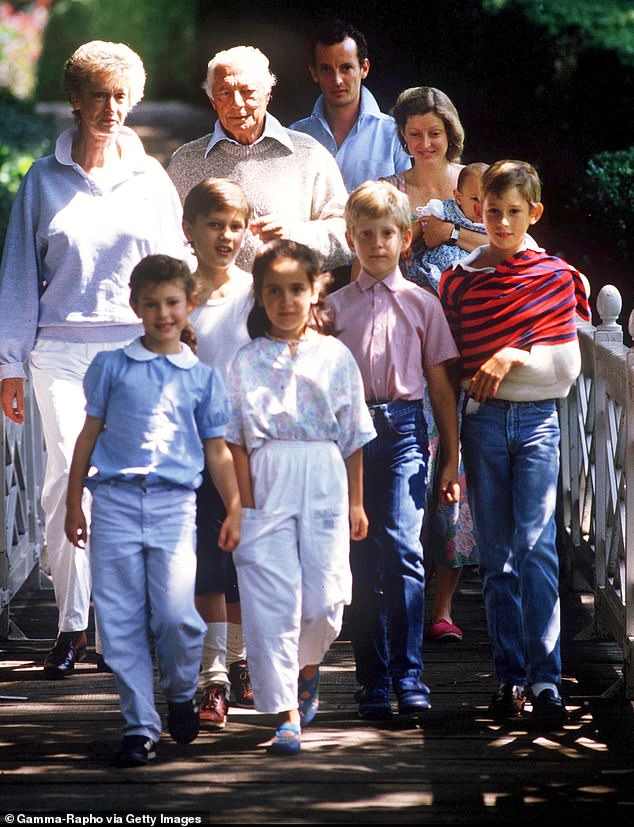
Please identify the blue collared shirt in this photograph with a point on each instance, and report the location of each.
(156, 410)
(371, 150)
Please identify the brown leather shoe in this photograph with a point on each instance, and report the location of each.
(69, 649)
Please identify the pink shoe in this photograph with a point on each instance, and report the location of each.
(444, 630)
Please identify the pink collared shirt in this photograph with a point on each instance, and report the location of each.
(395, 330)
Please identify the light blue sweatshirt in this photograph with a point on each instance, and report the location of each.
(71, 244)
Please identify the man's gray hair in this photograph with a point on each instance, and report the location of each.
(241, 56)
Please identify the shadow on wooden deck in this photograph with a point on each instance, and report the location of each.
(458, 766)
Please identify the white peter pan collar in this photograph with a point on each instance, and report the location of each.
(186, 359)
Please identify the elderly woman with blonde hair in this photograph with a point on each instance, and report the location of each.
(83, 217)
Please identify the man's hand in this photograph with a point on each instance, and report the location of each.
(268, 227)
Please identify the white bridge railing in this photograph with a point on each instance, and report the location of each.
(596, 503)
(21, 518)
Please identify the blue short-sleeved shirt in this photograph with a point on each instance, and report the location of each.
(156, 408)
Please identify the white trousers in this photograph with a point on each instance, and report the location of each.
(57, 372)
(143, 560)
(293, 564)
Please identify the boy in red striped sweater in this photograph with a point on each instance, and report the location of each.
(512, 310)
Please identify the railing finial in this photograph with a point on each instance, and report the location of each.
(609, 304)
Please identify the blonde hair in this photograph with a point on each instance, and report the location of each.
(100, 57)
(241, 56)
(378, 199)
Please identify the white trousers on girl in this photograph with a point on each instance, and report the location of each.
(293, 564)
(57, 372)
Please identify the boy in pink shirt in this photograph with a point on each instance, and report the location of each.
(400, 338)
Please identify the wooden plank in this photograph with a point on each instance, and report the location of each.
(458, 767)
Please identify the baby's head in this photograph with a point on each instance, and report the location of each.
(467, 192)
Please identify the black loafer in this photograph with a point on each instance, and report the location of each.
(69, 649)
(549, 708)
(183, 721)
(508, 701)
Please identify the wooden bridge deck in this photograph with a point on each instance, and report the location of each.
(458, 767)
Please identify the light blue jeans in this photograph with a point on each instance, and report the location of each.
(143, 564)
(511, 459)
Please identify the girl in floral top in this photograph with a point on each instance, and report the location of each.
(296, 431)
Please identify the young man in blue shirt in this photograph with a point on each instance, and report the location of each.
(346, 118)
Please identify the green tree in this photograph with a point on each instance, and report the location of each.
(161, 31)
(602, 24)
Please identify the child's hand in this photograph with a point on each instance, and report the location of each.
(229, 536)
(75, 527)
(448, 487)
(358, 523)
(486, 382)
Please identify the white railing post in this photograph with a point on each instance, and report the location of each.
(609, 306)
(21, 518)
(628, 562)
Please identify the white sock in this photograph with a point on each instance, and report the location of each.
(236, 647)
(214, 657)
(538, 688)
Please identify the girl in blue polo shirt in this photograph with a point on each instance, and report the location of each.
(155, 413)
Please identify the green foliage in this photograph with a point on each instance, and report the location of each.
(24, 137)
(161, 31)
(603, 24)
(609, 197)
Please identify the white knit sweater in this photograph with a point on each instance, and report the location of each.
(295, 179)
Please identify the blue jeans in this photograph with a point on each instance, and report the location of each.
(388, 576)
(511, 458)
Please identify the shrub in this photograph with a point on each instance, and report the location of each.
(24, 137)
(609, 197)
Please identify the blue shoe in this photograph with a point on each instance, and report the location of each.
(374, 703)
(412, 696)
(287, 740)
(134, 751)
(308, 698)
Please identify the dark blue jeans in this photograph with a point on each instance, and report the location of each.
(388, 576)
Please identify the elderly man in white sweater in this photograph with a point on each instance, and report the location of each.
(293, 183)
